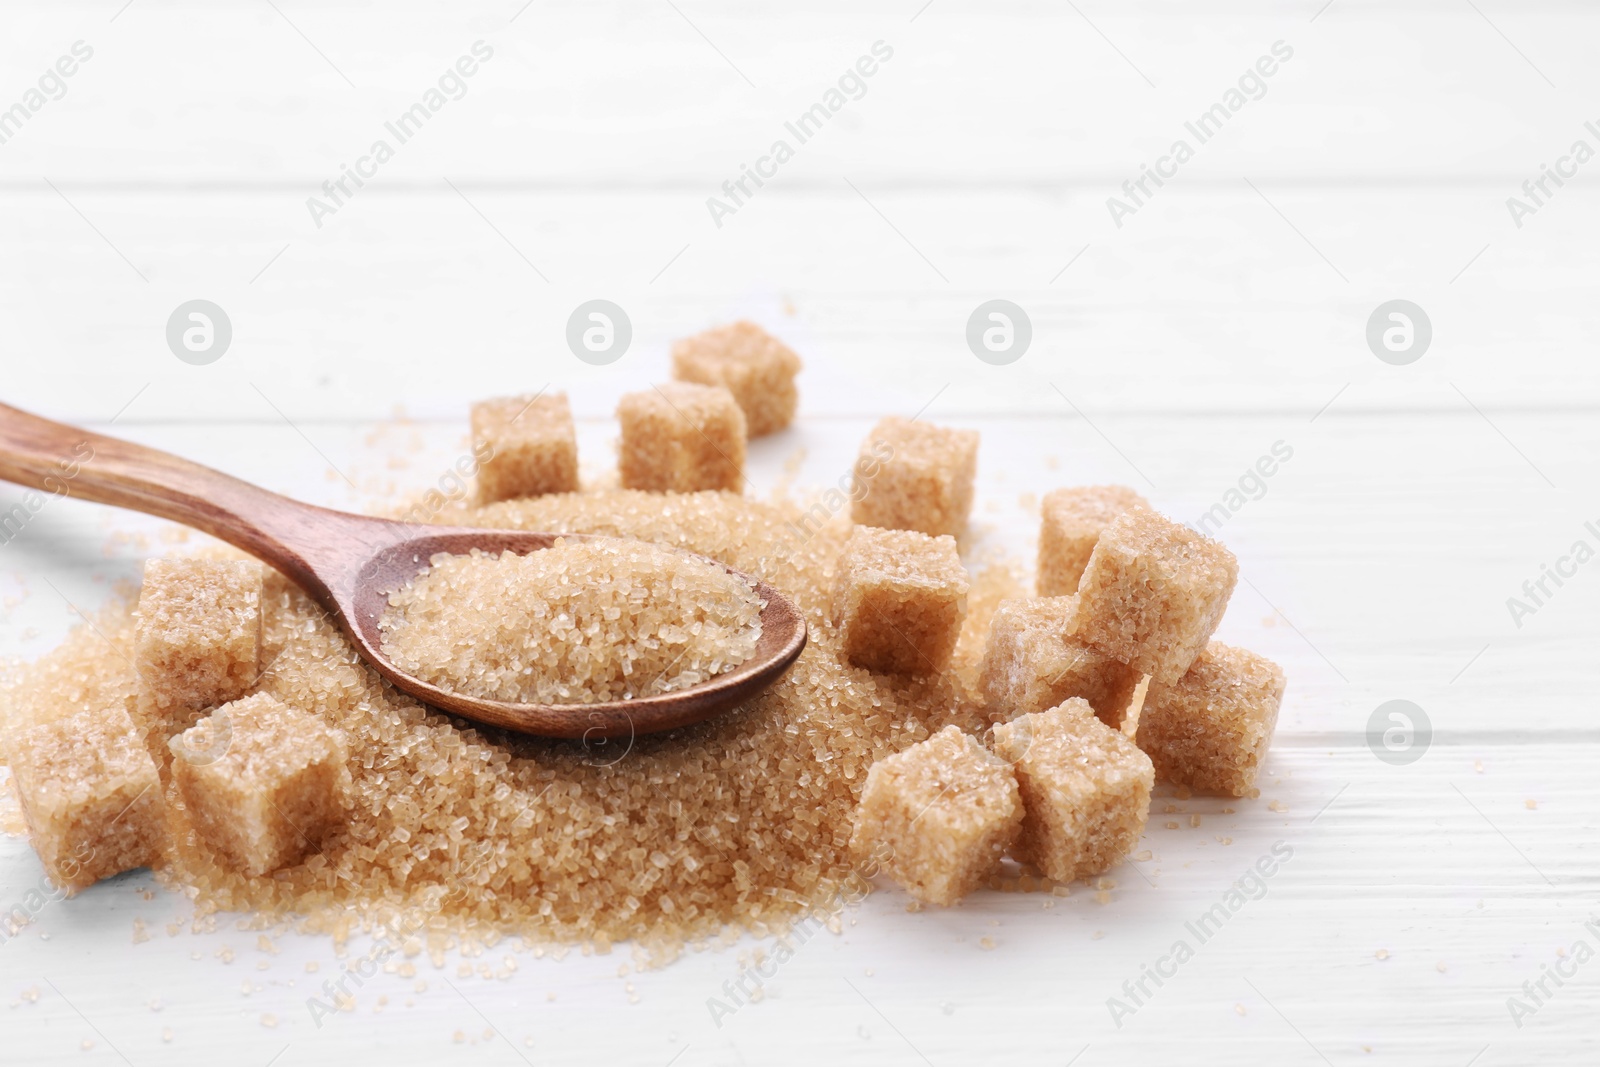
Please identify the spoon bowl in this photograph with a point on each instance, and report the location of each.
(783, 636)
(350, 564)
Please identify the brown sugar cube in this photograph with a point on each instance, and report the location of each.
(90, 795)
(1070, 525)
(756, 367)
(198, 639)
(1153, 593)
(1210, 730)
(898, 600)
(1085, 790)
(682, 438)
(937, 817)
(915, 476)
(265, 783)
(1031, 665)
(526, 445)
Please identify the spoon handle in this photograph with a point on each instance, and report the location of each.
(64, 460)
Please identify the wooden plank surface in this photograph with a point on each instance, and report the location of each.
(642, 94)
(1212, 303)
(1226, 315)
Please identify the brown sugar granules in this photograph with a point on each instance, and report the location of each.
(742, 820)
(580, 622)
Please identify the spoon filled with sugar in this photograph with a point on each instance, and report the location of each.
(368, 574)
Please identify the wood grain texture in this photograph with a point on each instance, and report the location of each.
(639, 95)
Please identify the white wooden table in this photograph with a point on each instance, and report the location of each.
(1225, 315)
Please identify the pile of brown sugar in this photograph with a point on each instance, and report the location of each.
(739, 822)
(580, 622)
(443, 832)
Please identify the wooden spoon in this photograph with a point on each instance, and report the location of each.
(350, 563)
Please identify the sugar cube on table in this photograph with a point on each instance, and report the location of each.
(913, 475)
(198, 640)
(1153, 593)
(526, 446)
(1070, 523)
(1211, 728)
(898, 599)
(937, 817)
(1085, 789)
(1031, 665)
(265, 783)
(680, 437)
(757, 368)
(89, 793)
